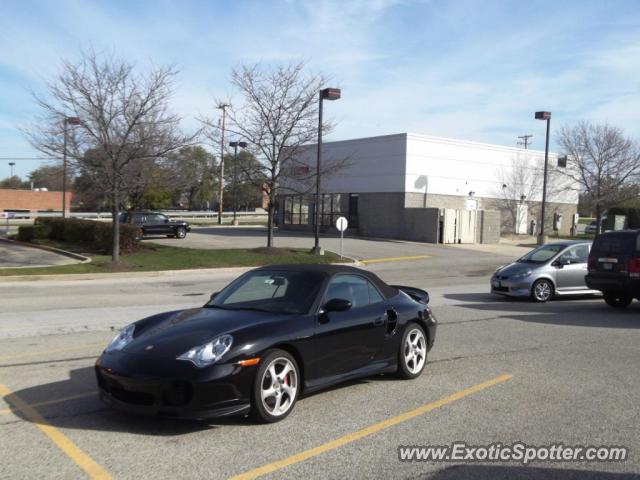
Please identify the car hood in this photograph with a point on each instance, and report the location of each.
(515, 268)
(176, 332)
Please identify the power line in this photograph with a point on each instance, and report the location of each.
(524, 140)
(29, 158)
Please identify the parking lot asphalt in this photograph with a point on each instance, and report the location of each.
(501, 371)
(12, 256)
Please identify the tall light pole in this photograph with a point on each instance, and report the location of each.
(67, 121)
(544, 116)
(223, 107)
(325, 94)
(235, 146)
(11, 165)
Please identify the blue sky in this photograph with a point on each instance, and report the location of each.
(473, 70)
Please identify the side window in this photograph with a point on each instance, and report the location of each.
(138, 218)
(374, 294)
(578, 254)
(358, 290)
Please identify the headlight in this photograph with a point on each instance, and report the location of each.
(522, 274)
(209, 353)
(122, 339)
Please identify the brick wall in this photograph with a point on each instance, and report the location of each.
(11, 199)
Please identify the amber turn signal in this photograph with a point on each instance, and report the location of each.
(249, 362)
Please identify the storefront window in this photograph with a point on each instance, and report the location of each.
(298, 209)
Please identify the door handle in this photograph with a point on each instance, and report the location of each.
(380, 320)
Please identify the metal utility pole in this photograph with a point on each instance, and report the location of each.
(325, 94)
(223, 107)
(524, 140)
(544, 116)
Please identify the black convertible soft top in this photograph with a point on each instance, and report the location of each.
(330, 270)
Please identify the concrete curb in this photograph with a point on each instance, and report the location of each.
(59, 251)
(154, 274)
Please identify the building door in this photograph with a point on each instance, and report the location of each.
(353, 210)
(459, 226)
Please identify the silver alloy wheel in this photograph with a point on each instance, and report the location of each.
(415, 351)
(542, 291)
(279, 386)
(181, 232)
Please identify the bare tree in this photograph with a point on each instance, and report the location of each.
(124, 120)
(278, 116)
(521, 182)
(602, 162)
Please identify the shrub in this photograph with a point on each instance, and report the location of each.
(129, 237)
(26, 233)
(96, 235)
(55, 225)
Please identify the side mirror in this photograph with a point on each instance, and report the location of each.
(560, 263)
(337, 305)
(213, 295)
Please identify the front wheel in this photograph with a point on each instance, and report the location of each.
(617, 300)
(276, 387)
(412, 356)
(542, 290)
(181, 232)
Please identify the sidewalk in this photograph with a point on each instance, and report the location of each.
(513, 246)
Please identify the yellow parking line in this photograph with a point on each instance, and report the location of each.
(352, 437)
(45, 352)
(51, 402)
(394, 259)
(61, 441)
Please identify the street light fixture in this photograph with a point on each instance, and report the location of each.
(325, 94)
(544, 116)
(235, 146)
(11, 165)
(67, 121)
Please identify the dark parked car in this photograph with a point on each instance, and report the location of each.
(271, 335)
(155, 223)
(614, 267)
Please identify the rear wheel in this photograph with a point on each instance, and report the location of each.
(181, 232)
(276, 387)
(542, 290)
(412, 356)
(617, 300)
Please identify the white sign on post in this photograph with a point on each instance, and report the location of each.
(341, 225)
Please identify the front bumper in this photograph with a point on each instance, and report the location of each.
(520, 287)
(173, 388)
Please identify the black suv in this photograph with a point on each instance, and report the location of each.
(614, 267)
(154, 223)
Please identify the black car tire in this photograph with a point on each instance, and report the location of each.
(542, 290)
(617, 300)
(262, 410)
(181, 232)
(413, 341)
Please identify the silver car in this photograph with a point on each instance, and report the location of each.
(553, 269)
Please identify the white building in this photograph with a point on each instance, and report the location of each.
(390, 186)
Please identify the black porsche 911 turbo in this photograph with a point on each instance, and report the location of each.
(269, 336)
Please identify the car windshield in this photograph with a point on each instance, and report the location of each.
(271, 291)
(542, 254)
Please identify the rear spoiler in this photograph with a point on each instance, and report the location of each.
(418, 295)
